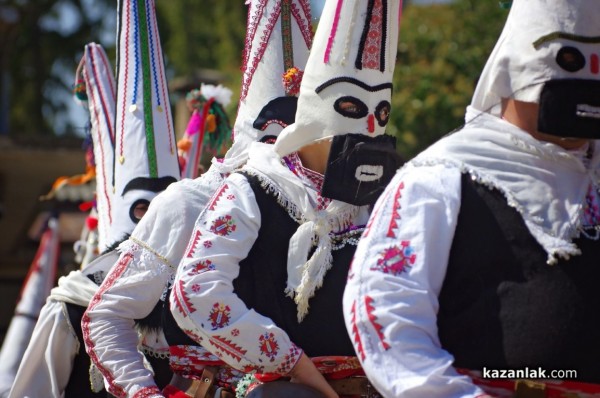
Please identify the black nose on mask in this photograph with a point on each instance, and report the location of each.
(360, 167)
(570, 108)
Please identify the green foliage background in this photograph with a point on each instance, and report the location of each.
(442, 50)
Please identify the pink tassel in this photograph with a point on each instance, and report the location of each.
(194, 124)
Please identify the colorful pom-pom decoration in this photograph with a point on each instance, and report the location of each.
(91, 223)
(79, 90)
(291, 81)
(211, 123)
(184, 144)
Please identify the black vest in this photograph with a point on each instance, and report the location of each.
(262, 281)
(79, 381)
(502, 306)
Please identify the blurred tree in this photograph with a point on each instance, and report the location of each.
(207, 34)
(441, 52)
(41, 41)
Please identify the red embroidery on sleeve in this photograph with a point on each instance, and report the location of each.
(217, 196)
(396, 259)
(395, 212)
(201, 267)
(376, 325)
(223, 226)
(147, 392)
(194, 244)
(358, 345)
(184, 306)
(370, 223)
(220, 315)
(228, 347)
(268, 345)
(289, 360)
(110, 280)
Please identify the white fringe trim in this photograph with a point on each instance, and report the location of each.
(314, 269)
(555, 247)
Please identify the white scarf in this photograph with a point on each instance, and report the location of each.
(77, 288)
(544, 182)
(305, 275)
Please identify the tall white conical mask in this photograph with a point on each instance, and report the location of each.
(145, 146)
(345, 96)
(100, 88)
(347, 85)
(549, 54)
(278, 41)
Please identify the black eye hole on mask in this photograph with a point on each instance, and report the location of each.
(351, 107)
(138, 209)
(570, 59)
(382, 113)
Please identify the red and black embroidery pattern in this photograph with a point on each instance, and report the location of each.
(220, 315)
(371, 53)
(147, 392)
(289, 360)
(268, 345)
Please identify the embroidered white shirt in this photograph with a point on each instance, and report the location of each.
(136, 284)
(391, 300)
(203, 301)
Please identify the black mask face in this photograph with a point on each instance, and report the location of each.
(570, 108)
(360, 167)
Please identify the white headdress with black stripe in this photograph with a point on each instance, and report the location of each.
(347, 85)
(145, 146)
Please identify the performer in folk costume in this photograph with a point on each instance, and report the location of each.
(55, 363)
(483, 251)
(233, 292)
(145, 153)
(138, 284)
(35, 289)
(16, 354)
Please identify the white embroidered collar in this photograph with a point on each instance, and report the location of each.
(305, 275)
(544, 182)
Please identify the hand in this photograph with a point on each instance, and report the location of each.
(305, 372)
